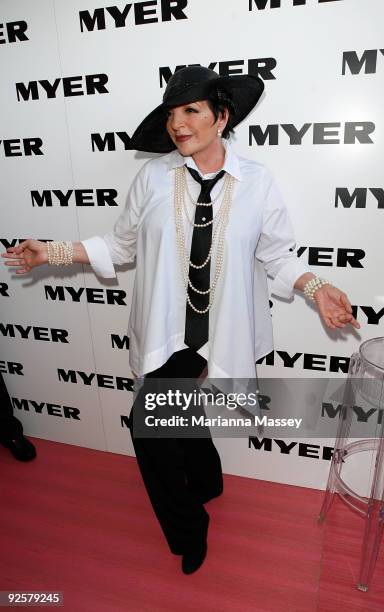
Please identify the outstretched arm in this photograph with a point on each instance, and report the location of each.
(276, 249)
(32, 253)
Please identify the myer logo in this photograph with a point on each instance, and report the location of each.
(15, 147)
(336, 132)
(14, 32)
(358, 197)
(262, 4)
(76, 197)
(125, 421)
(306, 361)
(11, 367)
(261, 67)
(361, 415)
(69, 86)
(367, 62)
(66, 412)
(373, 317)
(138, 13)
(92, 296)
(120, 342)
(312, 451)
(14, 330)
(340, 258)
(106, 381)
(368, 314)
(4, 290)
(108, 141)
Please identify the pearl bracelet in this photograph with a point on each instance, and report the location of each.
(60, 253)
(313, 285)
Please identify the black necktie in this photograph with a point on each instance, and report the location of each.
(196, 324)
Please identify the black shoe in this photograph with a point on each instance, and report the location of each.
(194, 559)
(21, 448)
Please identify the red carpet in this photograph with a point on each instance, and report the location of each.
(78, 521)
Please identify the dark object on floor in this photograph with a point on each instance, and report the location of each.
(21, 448)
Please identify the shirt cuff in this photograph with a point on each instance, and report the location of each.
(99, 257)
(283, 283)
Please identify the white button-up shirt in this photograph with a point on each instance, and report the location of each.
(259, 240)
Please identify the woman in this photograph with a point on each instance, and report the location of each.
(205, 226)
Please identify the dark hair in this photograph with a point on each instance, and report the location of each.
(218, 103)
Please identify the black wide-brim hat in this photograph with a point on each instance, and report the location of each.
(191, 84)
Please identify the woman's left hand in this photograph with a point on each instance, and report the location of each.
(334, 307)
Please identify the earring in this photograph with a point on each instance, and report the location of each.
(219, 133)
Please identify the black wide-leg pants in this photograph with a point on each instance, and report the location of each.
(10, 426)
(180, 474)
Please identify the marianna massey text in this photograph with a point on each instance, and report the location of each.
(201, 421)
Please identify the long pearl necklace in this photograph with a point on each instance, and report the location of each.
(213, 200)
(222, 218)
(191, 216)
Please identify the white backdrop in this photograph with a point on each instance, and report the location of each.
(322, 66)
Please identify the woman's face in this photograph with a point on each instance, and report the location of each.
(193, 128)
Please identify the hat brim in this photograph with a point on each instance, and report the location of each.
(152, 136)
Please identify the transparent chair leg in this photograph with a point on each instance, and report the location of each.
(374, 521)
(337, 460)
(371, 543)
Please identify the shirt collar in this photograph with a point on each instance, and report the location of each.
(231, 161)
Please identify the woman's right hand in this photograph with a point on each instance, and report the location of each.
(27, 255)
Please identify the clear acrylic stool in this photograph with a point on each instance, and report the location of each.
(364, 385)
